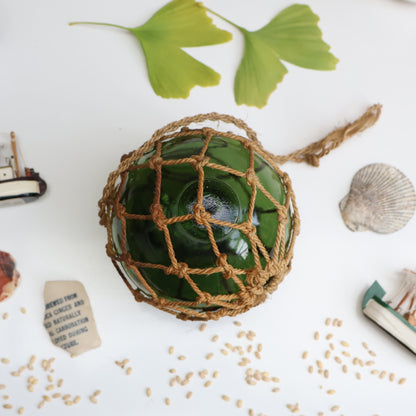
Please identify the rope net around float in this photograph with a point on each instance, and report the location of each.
(260, 281)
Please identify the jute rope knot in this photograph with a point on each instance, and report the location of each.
(255, 283)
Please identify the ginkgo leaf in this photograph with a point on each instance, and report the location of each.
(180, 23)
(259, 72)
(292, 36)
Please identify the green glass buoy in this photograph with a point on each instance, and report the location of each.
(201, 223)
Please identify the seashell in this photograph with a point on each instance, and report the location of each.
(9, 276)
(381, 199)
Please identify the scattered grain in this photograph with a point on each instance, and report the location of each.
(326, 373)
(374, 372)
(50, 387)
(202, 327)
(305, 355)
(310, 369)
(215, 374)
(167, 401)
(6, 397)
(203, 373)
(241, 334)
(171, 350)
(338, 360)
(209, 355)
(358, 376)
(370, 363)
(2, 386)
(56, 395)
(328, 321)
(344, 369)
(69, 403)
(129, 371)
(181, 357)
(402, 381)
(215, 338)
(250, 412)
(346, 354)
(46, 398)
(239, 403)
(372, 353)
(5, 361)
(365, 345)
(60, 382)
(275, 389)
(23, 310)
(328, 354)
(225, 398)
(68, 396)
(319, 364)
(31, 388)
(251, 335)
(5, 315)
(392, 376)
(316, 336)
(50, 378)
(8, 406)
(382, 374)
(41, 404)
(257, 355)
(331, 392)
(77, 399)
(329, 336)
(224, 351)
(20, 410)
(335, 408)
(93, 399)
(276, 379)
(345, 343)
(207, 383)
(331, 346)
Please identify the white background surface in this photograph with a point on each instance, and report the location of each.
(78, 98)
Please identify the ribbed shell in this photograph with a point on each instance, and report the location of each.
(381, 199)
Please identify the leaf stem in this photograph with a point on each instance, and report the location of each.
(99, 24)
(223, 18)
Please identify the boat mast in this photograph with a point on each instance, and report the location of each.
(16, 162)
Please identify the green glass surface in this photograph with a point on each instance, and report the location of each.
(226, 197)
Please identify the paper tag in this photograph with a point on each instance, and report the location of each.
(68, 316)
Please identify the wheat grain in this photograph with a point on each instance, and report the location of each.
(202, 327)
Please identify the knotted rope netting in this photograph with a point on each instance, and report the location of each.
(255, 283)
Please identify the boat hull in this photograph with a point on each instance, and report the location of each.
(21, 190)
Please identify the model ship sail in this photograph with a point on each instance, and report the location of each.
(396, 317)
(17, 186)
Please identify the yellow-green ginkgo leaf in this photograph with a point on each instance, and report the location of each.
(259, 72)
(295, 35)
(179, 24)
(292, 36)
